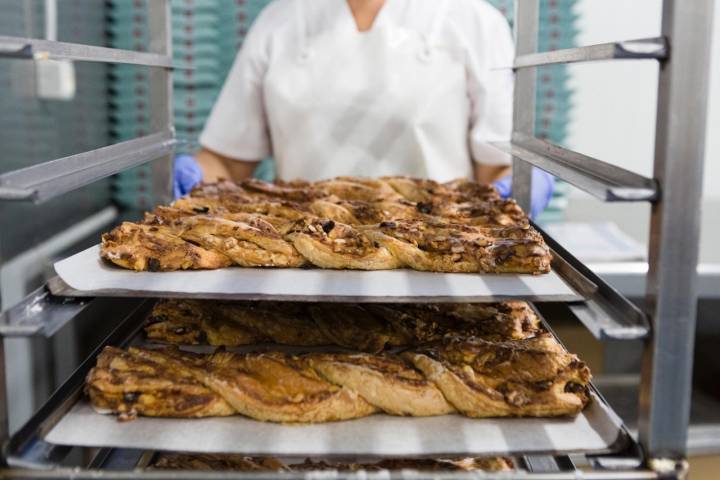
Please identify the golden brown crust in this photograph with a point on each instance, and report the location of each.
(126, 384)
(358, 188)
(352, 326)
(156, 248)
(385, 381)
(329, 244)
(242, 463)
(285, 323)
(267, 386)
(366, 327)
(449, 247)
(219, 462)
(533, 377)
(285, 224)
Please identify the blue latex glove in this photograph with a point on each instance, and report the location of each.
(543, 185)
(186, 174)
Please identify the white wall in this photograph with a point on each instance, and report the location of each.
(614, 118)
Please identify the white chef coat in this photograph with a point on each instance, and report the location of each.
(250, 120)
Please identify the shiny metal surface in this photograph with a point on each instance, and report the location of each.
(675, 224)
(41, 313)
(602, 180)
(28, 449)
(38, 49)
(526, 41)
(647, 48)
(67, 174)
(606, 313)
(161, 96)
(64, 473)
(50, 179)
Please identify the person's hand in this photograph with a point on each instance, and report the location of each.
(543, 185)
(186, 174)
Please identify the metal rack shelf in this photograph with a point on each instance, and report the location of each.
(643, 49)
(605, 312)
(38, 49)
(40, 313)
(602, 180)
(671, 298)
(27, 448)
(671, 292)
(50, 179)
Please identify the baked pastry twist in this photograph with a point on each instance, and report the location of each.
(343, 223)
(242, 463)
(365, 327)
(531, 377)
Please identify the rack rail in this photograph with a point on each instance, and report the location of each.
(666, 327)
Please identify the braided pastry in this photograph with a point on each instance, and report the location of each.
(343, 223)
(365, 327)
(531, 377)
(242, 463)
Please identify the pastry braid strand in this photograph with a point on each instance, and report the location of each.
(534, 377)
(343, 223)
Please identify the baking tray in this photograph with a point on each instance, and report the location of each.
(67, 420)
(86, 274)
(596, 430)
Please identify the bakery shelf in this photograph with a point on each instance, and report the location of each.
(31, 446)
(604, 181)
(47, 180)
(605, 312)
(38, 49)
(85, 274)
(642, 49)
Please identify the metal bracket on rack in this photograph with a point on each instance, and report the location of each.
(600, 179)
(38, 49)
(606, 313)
(47, 180)
(40, 313)
(643, 49)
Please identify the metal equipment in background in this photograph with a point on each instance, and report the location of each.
(667, 329)
(675, 192)
(39, 183)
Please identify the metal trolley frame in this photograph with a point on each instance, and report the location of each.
(667, 327)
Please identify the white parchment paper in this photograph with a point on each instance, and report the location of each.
(596, 429)
(87, 272)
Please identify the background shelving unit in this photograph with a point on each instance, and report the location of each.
(667, 327)
(675, 192)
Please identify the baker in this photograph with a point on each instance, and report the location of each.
(366, 88)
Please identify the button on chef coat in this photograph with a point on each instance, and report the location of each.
(421, 93)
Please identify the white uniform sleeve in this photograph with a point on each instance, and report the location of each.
(237, 126)
(490, 84)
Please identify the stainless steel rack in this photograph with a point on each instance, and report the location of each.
(50, 179)
(667, 327)
(675, 191)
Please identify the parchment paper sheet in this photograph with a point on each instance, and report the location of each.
(596, 429)
(86, 272)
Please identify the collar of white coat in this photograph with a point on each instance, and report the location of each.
(346, 22)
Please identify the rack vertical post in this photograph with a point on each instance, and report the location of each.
(527, 18)
(161, 95)
(675, 229)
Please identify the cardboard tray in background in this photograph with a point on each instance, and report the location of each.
(86, 274)
(595, 430)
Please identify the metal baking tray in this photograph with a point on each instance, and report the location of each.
(66, 420)
(86, 274)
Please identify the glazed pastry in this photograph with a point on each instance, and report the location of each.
(342, 223)
(534, 377)
(365, 327)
